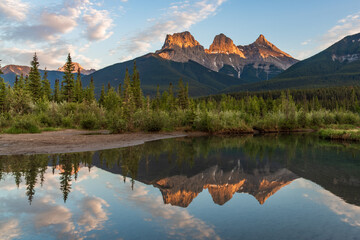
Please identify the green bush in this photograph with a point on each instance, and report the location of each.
(24, 124)
(89, 121)
(154, 121)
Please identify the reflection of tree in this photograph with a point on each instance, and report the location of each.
(305, 156)
(65, 161)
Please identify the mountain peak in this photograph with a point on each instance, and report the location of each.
(223, 44)
(77, 66)
(261, 40)
(267, 49)
(183, 40)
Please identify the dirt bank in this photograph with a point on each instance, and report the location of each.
(75, 141)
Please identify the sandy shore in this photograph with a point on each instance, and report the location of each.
(74, 141)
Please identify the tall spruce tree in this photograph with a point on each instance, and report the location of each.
(68, 80)
(136, 88)
(183, 98)
(2, 92)
(46, 88)
(35, 80)
(56, 95)
(92, 89)
(78, 87)
(128, 99)
(102, 96)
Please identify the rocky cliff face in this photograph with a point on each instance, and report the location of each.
(261, 57)
(18, 70)
(181, 190)
(77, 66)
(224, 45)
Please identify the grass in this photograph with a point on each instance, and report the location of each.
(340, 134)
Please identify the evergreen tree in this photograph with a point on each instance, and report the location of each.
(68, 80)
(102, 96)
(137, 93)
(128, 99)
(183, 97)
(35, 79)
(92, 90)
(16, 82)
(56, 95)
(78, 87)
(2, 95)
(46, 88)
(27, 83)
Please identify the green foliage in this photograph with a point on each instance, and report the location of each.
(68, 81)
(24, 124)
(34, 81)
(46, 88)
(89, 121)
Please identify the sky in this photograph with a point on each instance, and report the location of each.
(99, 33)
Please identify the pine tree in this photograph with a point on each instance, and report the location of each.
(27, 84)
(127, 87)
(78, 87)
(183, 95)
(35, 80)
(57, 91)
(136, 87)
(92, 90)
(68, 80)
(102, 96)
(128, 99)
(46, 88)
(2, 92)
(21, 82)
(16, 83)
(171, 101)
(2, 95)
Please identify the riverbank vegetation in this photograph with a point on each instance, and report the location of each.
(31, 105)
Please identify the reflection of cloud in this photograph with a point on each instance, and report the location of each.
(177, 220)
(9, 229)
(55, 215)
(93, 213)
(349, 213)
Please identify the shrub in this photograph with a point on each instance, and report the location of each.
(154, 121)
(89, 121)
(25, 124)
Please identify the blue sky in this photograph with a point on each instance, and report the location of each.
(99, 33)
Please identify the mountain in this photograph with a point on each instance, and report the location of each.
(16, 70)
(256, 62)
(155, 70)
(11, 71)
(337, 65)
(77, 66)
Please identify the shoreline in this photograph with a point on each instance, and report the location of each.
(71, 141)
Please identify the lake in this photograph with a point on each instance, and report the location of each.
(262, 187)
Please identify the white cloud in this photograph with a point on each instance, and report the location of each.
(14, 9)
(306, 42)
(49, 31)
(347, 26)
(98, 24)
(178, 17)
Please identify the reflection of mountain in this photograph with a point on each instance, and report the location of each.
(181, 190)
(184, 167)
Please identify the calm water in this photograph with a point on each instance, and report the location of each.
(264, 187)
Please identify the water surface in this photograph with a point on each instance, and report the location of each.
(263, 187)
